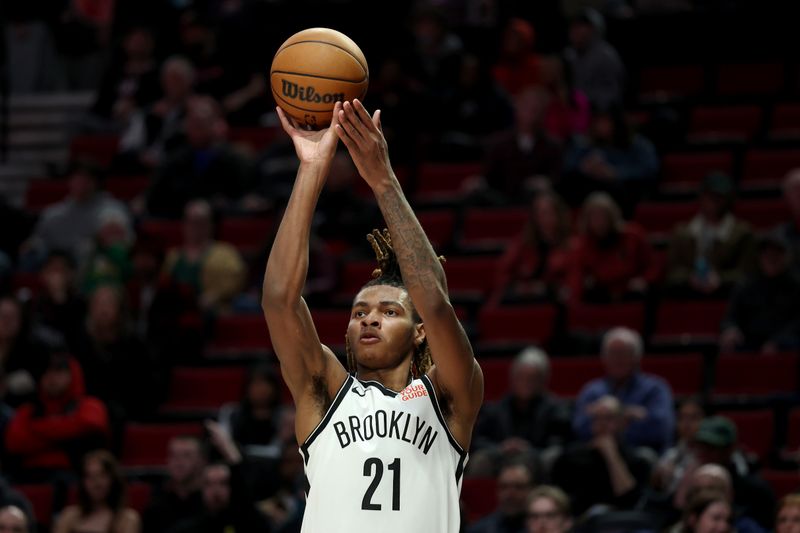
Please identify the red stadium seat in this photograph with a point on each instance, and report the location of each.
(660, 218)
(756, 430)
(439, 226)
(238, 333)
(731, 123)
(685, 321)
(568, 375)
(44, 192)
(168, 232)
(443, 181)
(793, 431)
(100, 149)
(763, 214)
(785, 123)
(596, 318)
(126, 188)
(331, 325)
(754, 375)
(782, 482)
(41, 499)
(750, 79)
(479, 496)
(658, 83)
(683, 372)
(204, 388)
(353, 276)
(495, 377)
(492, 227)
(248, 234)
(256, 139)
(530, 324)
(767, 168)
(685, 171)
(30, 281)
(138, 495)
(470, 276)
(145, 445)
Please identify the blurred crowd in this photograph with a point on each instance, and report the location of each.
(537, 95)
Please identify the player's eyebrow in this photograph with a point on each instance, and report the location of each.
(387, 303)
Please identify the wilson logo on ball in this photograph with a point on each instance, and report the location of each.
(308, 94)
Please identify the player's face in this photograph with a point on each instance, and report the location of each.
(382, 333)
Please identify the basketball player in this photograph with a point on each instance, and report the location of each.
(384, 441)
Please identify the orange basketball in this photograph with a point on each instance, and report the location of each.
(313, 70)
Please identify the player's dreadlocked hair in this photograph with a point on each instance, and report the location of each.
(388, 273)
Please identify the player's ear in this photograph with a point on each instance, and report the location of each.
(419, 333)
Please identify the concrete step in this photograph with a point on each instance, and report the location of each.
(51, 101)
(31, 120)
(39, 138)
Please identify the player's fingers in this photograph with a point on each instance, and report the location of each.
(362, 113)
(376, 119)
(348, 123)
(352, 116)
(345, 138)
(287, 126)
(335, 116)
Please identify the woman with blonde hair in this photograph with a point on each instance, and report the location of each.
(548, 510)
(788, 518)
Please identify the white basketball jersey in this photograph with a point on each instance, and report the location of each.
(383, 461)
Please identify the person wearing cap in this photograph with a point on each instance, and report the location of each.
(764, 310)
(716, 442)
(712, 251)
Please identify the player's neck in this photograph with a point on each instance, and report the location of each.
(395, 379)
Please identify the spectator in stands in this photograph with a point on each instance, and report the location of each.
(788, 516)
(49, 436)
(101, 499)
(714, 250)
(513, 486)
(535, 265)
(764, 310)
(568, 111)
(708, 511)
(646, 400)
(17, 224)
(130, 81)
(180, 497)
(611, 158)
(14, 520)
(207, 167)
(528, 417)
(791, 229)
(716, 442)
(611, 260)
(596, 66)
(147, 258)
(82, 37)
(227, 504)
(107, 260)
(604, 470)
(214, 271)
(519, 67)
(70, 224)
(526, 157)
(286, 505)
(436, 48)
(152, 132)
(58, 310)
(548, 510)
(21, 357)
(676, 460)
(31, 60)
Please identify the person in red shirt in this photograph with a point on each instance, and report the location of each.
(568, 110)
(611, 259)
(535, 266)
(519, 67)
(51, 434)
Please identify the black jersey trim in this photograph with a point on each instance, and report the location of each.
(462, 461)
(435, 401)
(381, 387)
(327, 418)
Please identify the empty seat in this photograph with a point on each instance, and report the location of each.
(597, 318)
(44, 192)
(354, 274)
(248, 234)
(240, 333)
(729, 123)
(767, 168)
(331, 325)
(443, 181)
(439, 226)
(750, 79)
(763, 213)
(479, 496)
(41, 498)
(683, 372)
(495, 377)
(470, 276)
(671, 81)
(145, 445)
(137, 495)
(782, 482)
(685, 171)
(785, 123)
(168, 232)
(793, 430)
(686, 321)
(569, 375)
(529, 324)
(755, 429)
(492, 227)
(99, 149)
(126, 188)
(204, 388)
(256, 139)
(755, 375)
(660, 218)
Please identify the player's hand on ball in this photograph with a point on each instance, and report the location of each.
(312, 146)
(363, 137)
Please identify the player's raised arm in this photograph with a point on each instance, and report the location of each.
(311, 371)
(456, 373)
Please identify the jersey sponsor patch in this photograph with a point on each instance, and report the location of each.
(413, 391)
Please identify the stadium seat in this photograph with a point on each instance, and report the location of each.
(256, 139)
(41, 498)
(439, 226)
(761, 79)
(248, 234)
(756, 375)
(196, 389)
(661, 218)
(782, 482)
(44, 192)
(664, 82)
(683, 372)
(145, 445)
(353, 275)
(683, 172)
(331, 325)
(126, 188)
(793, 430)
(687, 321)
(724, 124)
(479, 496)
(99, 149)
(29, 281)
(763, 213)
(785, 123)
(495, 377)
(168, 232)
(756, 430)
(767, 168)
(138, 495)
(597, 318)
(528, 324)
(492, 227)
(442, 182)
(568, 375)
(240, 333)
(470, 277)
